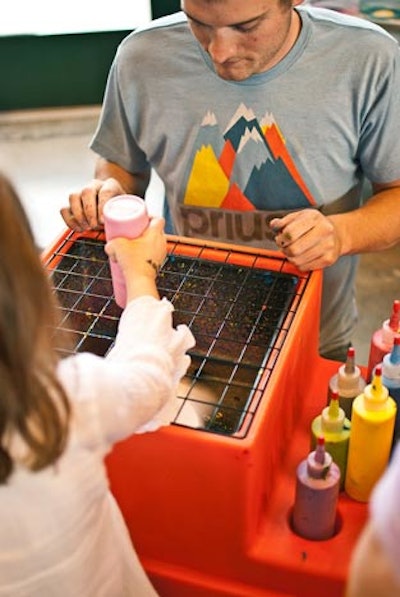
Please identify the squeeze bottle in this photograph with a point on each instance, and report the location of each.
(124, 216)
(382, 340)
(317, 491)
(333, 425)
(391, 379)
(372, 426)
(347, 382)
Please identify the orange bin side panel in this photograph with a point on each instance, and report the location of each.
(209, 518)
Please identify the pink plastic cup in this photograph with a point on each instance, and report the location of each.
(124, 216)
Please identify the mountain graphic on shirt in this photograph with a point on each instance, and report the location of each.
(246, 167)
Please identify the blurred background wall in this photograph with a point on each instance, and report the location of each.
(67, 66)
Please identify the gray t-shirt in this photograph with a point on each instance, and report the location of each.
(303, 134)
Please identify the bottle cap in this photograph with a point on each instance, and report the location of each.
(375, 393)
(394, 320)
(319, 461)
(125, 216)
(349, 375)
(391, 362)
(333, 417)
(390, 327)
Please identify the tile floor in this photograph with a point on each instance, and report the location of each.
(46, 154)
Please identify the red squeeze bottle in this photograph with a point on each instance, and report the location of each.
(124, 216)
(383, 339)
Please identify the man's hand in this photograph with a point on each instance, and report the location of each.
(85, 211)
(308, 239)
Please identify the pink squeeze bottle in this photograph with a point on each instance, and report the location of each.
(124, 216)
(382, 340)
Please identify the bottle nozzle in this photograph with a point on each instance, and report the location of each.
(349, 378)
(376, 393)
(377, 379)
(332, 416)
(320, 450)
(394, 357)
(334, 409)
(350, 365)
(319, 461)
(394, 321)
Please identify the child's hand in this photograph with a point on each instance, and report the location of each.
(140, 258)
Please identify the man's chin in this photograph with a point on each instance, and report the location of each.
(232, 74)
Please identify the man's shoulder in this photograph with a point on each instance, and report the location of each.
(164, 32)
(344, 24)
(168, 23)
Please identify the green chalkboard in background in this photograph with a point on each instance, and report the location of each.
(60, 70)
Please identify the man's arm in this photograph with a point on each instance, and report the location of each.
(373, 227)
(311, 240)
(85, 209)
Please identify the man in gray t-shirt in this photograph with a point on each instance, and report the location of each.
(262, 119)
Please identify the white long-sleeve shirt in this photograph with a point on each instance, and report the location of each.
(61, 531)
(385, 512)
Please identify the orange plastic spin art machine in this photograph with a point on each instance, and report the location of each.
(208, 499)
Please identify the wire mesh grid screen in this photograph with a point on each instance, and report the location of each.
(239, 306)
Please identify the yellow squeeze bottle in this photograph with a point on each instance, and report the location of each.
(372, 427)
